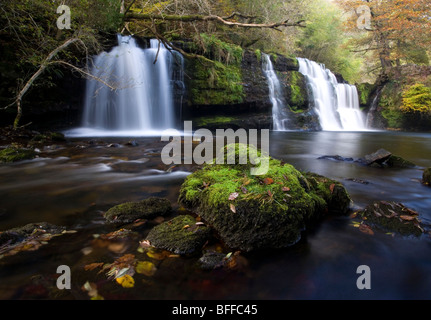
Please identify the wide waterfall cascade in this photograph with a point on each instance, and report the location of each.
(336, 104)
(276, 95)
(145, 80)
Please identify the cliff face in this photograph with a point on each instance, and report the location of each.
(390, 111)
(237, 96)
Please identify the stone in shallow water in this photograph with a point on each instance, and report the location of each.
(146, 209)
(392, 217)
(181, 235)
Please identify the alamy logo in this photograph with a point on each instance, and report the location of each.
(177, 152)
(63, 22)
(364, 19)
(364, 280)
(63, 281)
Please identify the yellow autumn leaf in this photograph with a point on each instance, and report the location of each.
(146, 268)
(126, 281)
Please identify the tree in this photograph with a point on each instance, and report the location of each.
(324, 41)
(399, 31)
(33, 41)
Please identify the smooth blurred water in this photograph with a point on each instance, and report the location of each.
(73, 185)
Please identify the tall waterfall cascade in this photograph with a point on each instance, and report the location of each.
(276, 95)
(146, 81)
(336, 104)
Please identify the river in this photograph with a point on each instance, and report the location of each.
(73, 184)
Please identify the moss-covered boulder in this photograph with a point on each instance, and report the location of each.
(12, 154)
(131, 211)
(251, 212)
(426, 177)
(181, 235)
(392, 217)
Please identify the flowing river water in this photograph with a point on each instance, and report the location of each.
(73, 184)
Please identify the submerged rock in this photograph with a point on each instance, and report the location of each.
(28, 238)
(251, 212)
(146, 209)
(181, 235)
(380, 158)
(392, 217)
(426, 177)
(11, 154)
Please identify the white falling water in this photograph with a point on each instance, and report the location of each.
(276, 96)
(337, 104)
(144, 99)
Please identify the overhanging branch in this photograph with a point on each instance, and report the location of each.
(222, 20)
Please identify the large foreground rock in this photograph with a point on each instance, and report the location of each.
(251, 212)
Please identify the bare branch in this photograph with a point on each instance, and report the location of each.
(192, 18)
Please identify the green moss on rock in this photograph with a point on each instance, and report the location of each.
(252, 212)
(426, 177)
(181, 235)
(214, 83)
(12, 154)
(145, 209)
(392, 217)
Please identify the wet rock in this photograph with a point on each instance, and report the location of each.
(358, 180)
(19, 234)
(28, 238)
(253, 212)
(132, 143)
(212, 260)
(181, 235)
(398, 162)
(131, 211)
(378, 157)
(426, 177)
(12, 154)
(336, 157)
(392, 217)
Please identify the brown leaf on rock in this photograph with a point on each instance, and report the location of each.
(331, 187)
(93, 266)
(366, 229)
(407, 218)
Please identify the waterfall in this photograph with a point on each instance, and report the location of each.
(276, 95)
(337, 104)
(145, 95)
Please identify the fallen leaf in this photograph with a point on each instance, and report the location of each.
(232, 208)
(244, 189)
(146, 268)
(117, 247)
(331, 188)
(268, 181)
(144, 244)
(186, 226)
(93, 266)
(233, 196)
(286, 189)
(366, 229)
(407, 218)
(126, 281)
